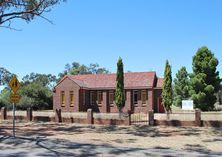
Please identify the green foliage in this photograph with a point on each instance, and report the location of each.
(219, 96)
(4, 98)
(35, 95)
(25, 10)
(167, 93)
(205, 80)
(5, 76)
(43, 79)
(77, 68)
(119, 93)
(181, 87)
(36, 92)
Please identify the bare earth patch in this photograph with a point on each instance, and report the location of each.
(206, 141)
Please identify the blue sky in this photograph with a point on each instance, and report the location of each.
(143, 32)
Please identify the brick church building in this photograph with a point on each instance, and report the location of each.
(77, 93)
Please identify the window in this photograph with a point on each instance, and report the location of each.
(71, 97)
(92, 98)
(111, 97)
(99, 97)
(135, 97)
(143, 96)
(62, 98)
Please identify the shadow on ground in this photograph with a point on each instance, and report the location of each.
(40, 146)
(46, 129)
(48, 147)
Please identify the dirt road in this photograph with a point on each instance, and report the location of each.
(50, 139)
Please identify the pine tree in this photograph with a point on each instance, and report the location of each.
(119, 93)
(181, 87)
(205, 80)
(167, 93)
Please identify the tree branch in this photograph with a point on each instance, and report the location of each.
(24, 9)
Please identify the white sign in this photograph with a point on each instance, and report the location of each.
(187, 104)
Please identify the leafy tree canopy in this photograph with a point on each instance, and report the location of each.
(5, 76)
(4, 98)
(181, 86)
(47, 80)
(36, 92)
(76, 68)
(205, 80)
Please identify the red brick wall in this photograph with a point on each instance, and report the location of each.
(87, 99)
(128, 102)
(157, 95)
(174, 123)
(111, 122)
(212, 123)
(74, 120)
(135, 108)
(103, 106)
(150, 99)
(143, 107)
(113, 108)
(66, 85)
(105, 101)
(83, 104)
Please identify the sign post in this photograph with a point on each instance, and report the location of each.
(14, 97)
(13, 119)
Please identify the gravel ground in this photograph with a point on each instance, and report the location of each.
(50, 139)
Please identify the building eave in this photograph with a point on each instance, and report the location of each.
(113, 88)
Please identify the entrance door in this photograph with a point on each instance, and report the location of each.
(160, 105)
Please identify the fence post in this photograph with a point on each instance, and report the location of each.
(151, 118)
(129, 116)
(3, 113)
(29, 114)
(198, 117)
(58, 116)
(89, 116)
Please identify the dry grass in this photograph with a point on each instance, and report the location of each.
(206, 139)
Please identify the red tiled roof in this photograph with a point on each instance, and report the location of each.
(131, 80)
(159, 83)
